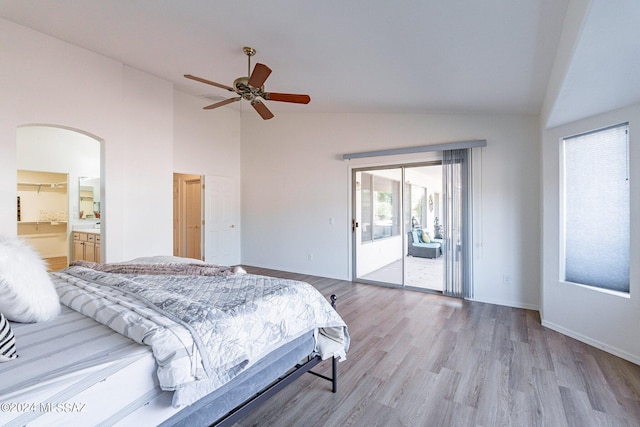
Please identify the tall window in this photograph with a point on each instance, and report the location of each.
(380, 207)
(596, 208)
(418, 206)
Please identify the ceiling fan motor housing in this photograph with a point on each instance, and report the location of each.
(246, 91)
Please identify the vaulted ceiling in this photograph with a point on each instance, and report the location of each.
(407, 56)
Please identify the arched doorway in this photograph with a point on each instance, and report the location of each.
(57, 166)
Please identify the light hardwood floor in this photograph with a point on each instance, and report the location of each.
(419, 359)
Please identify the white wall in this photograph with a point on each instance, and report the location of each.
(147, 155)
(206, 141)
(46, 81)
(598, 318)
(294, 183)
(572, 27)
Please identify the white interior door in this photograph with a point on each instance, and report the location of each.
(221, 224)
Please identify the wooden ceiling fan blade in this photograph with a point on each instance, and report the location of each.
(259, 75)
(262, 109)
(222, 103)
(287, 97)
(209, 82)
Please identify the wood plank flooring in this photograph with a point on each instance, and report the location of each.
(419, 359)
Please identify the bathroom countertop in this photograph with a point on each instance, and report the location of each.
(87, 230)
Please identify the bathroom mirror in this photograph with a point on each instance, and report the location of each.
(89, 198)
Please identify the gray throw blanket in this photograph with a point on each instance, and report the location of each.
(180, 269)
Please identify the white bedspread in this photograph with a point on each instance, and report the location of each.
(204, 330)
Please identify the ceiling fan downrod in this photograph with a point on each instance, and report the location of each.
(249, 51)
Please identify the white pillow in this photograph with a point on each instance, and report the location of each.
(27, 294)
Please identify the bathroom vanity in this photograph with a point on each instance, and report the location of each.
(86, 245)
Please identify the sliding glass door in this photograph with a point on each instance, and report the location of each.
(394, 206)
(411, 223)
(423, 261)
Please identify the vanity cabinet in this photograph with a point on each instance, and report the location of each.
(86, 246)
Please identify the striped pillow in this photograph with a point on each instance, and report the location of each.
(7, 341)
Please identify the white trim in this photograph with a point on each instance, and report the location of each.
(420, 149)
(506, 303)
(594, 343)
(615, 293)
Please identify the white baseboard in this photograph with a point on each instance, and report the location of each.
(633, 358)
(507, 303)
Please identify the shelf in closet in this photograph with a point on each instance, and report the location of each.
(49, 186)
(44, 222)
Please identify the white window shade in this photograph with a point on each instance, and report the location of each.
(596, 209)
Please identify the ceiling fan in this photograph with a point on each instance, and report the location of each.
(251, 88)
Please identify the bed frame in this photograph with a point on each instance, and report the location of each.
(241, 411)
(294, 373)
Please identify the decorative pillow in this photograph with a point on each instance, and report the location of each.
(425, 237)
(7, 341)
(27, 294)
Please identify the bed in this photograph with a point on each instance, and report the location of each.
(165, 341)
